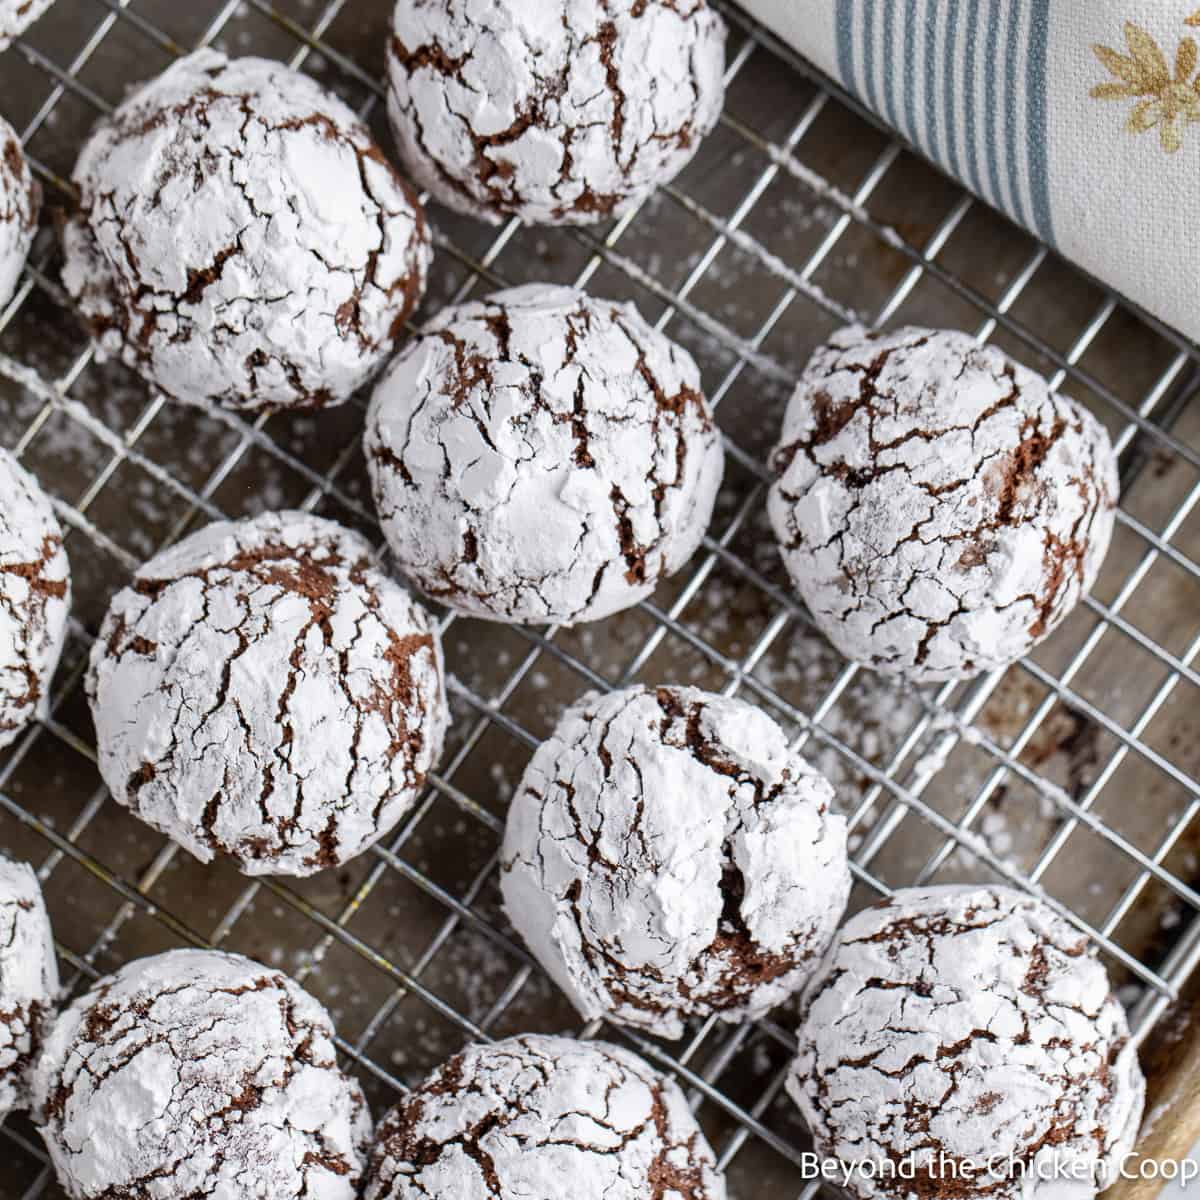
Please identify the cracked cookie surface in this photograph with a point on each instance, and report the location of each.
(17, 15)
(240, 238)
(560, 112)
(198, 1073)
(20, 203)
(974, 1023)
(540, 456)
(667, 858)
(28, 980)
(35, 597)
(262, 691)
(544, 1116)
(939, 510)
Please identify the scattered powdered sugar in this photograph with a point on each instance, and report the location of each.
(972, 1023)
(942, 736)
(994, 829)
(871, 718)
(28, 979)
(544, 1116)
(16, 16)
(241, 239)
(35, 597)
(667, 857)
(557, 112)
(263, 691)
(940, 510)
(200, 1073)
(20, 202)
(541, 456)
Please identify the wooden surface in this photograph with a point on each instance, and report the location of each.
(1172, 1124)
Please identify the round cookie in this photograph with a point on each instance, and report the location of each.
(17, 15)
(956, 1025)
(35, 597)
(668, 857)
(940, 511)
(240, 238)
(28, 980)
(564, 112)
(543, 1117)
(262, 691)
(20, 202)
(199, 1074)
(540, 457)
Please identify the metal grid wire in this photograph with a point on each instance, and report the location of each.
(811, 216)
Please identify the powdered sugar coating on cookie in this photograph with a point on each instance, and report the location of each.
(541, 456)
(240, 238)
(199, 1073)
(940, 511)
(560, 112)
(35, 597)
(263, 691)
(667, 857)
(972, 1023)
(17, 15)
(20, 202)
(28, 980)
(539, 1117)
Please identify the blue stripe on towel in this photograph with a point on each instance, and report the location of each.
(1013, 159)
(845, 43)
(949, 92)
(974, 178)
(910, 72)
(1035, 86)
(985, 142)
(870, 80)
(932, 67)
(994, 101)
(892, 107)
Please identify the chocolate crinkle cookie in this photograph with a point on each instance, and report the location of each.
(559, 112)
(35, 598)
(17, 15)
(544, 1117)
(199, 1074)
(20, 202)
(28, 980)
(240, 238)
(968, 1037)
(668, 857)
(262, 691)
(540, 457)
(940, 510)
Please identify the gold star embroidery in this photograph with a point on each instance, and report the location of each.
(1166, 97)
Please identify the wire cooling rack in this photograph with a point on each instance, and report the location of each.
(1074, 773)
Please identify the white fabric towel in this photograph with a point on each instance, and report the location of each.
(1080, 119)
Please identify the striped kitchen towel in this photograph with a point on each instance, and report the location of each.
(1079, 119)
